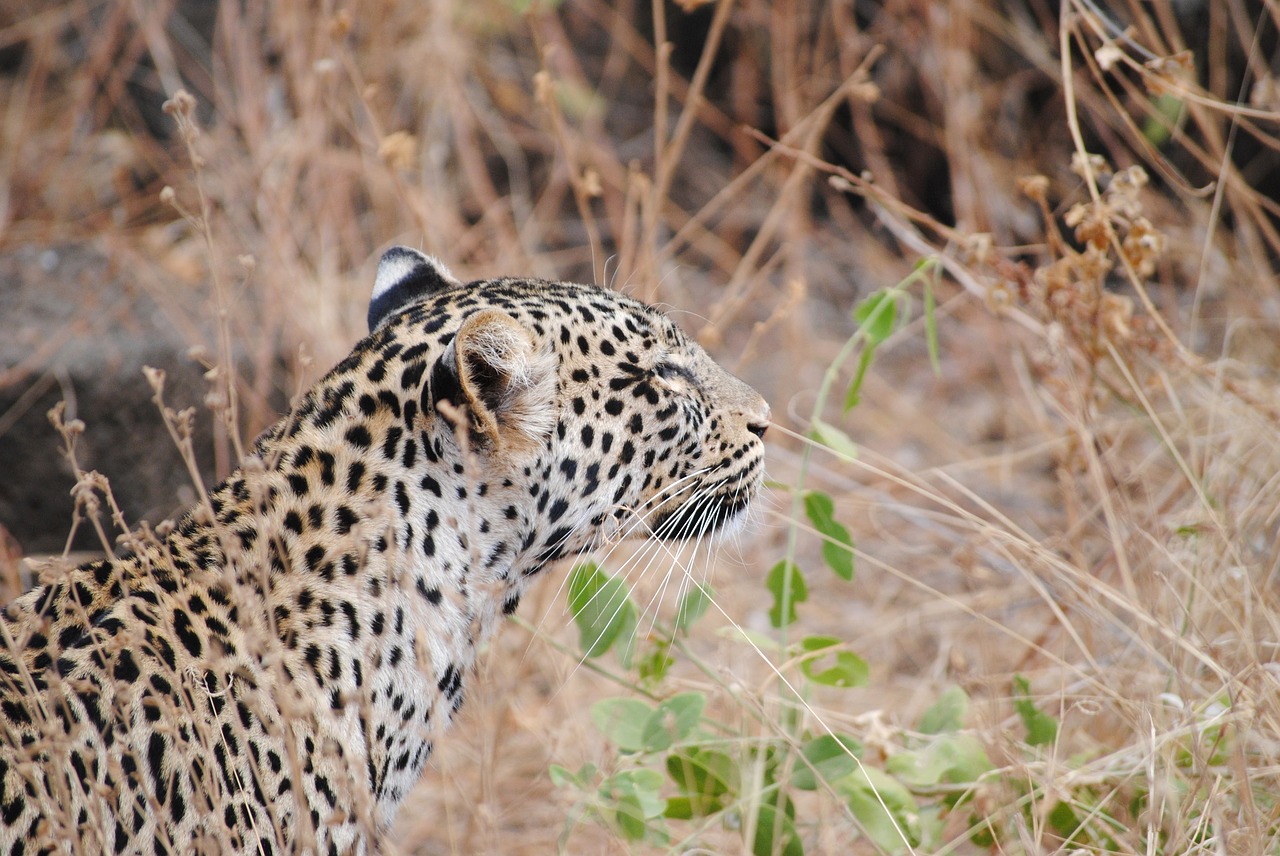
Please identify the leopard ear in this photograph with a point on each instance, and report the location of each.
(404, 275)
(503, 378)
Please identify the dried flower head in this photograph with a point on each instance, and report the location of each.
(1034, 187)
(1143, 246)
(398, 150)
(1086, 164)
(1123, 191)
(181, 105)
(1116, 315)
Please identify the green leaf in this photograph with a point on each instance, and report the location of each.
(623, 721)
(1157, 127)
(653, 666)
(634, 794)
(788, 587)
(774, 762)
(931, 323)
(1042, 729)
(947, 713)
(693, 605)
(877, 315)
(829, 757)
(776, 834)
(750, 638)
(837, 547)
(834, 439)
(854, 395)
(672, 721)
(955, 759)
(561, 776)
(884, 808)
(703, 772)
(629, 815)
(707, 779)
(1063, 820)
(847, 670)
(687, 808)
(602, 610)
(626, 640)
(523, 7)
(645, 784)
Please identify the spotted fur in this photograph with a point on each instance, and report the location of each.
(270, 677)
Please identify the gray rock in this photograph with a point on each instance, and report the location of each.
(73, 326)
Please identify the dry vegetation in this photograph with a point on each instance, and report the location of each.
(1084, 495)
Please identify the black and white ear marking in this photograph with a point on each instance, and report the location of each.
(403, 276)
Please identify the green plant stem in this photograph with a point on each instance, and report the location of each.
(829, 378)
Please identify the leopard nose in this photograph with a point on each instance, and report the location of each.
(758, 423)
(744, 403)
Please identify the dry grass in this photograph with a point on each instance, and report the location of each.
(1085, 495)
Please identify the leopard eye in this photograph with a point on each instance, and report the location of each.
(668, 370)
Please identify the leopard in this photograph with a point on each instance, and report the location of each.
(269, 673)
